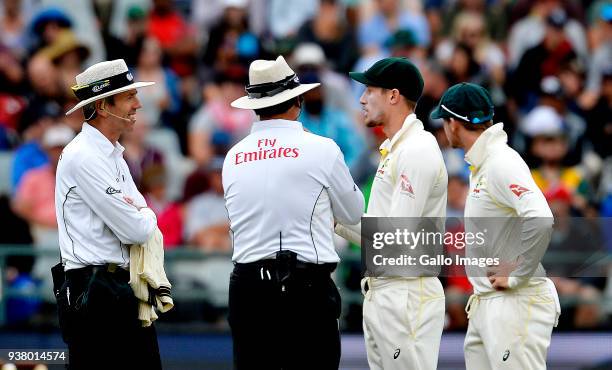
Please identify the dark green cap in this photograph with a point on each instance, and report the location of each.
(393, 73)
(467, 102)
(402, 38)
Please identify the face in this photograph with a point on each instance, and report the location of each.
(451, 130)
(374, 102)
(126, 104)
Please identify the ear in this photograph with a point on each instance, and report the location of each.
(100, 108)
(395, 96)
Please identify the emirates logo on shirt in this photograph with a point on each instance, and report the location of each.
(519, 190)
(406, 186)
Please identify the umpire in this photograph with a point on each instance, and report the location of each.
(283, 189)
(100, 213)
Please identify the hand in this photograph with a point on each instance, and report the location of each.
(499, 274)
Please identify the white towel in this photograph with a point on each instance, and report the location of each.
(148, 278)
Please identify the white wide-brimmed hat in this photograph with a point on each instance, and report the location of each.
(271, 82)
(103, 79)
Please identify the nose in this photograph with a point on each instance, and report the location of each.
(362, 100)
(137, 104)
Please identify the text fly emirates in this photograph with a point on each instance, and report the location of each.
(266, 150)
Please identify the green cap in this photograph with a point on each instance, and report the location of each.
(393, 73)
(467, 102)
(402, 38)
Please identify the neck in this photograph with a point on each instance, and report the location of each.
(468, 138)
(290, 115)
(106, 130)
(396, 122)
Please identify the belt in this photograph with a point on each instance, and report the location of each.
(301, 267)
(84, 273)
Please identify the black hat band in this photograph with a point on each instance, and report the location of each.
(272, 88)
(84, 92)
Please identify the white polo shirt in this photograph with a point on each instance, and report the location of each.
(501, 186)
(283, 188)
(95, 223)
(410, 181)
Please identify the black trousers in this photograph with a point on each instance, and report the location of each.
(98, 315)
(290, 325)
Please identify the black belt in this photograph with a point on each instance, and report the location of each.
(300, 266)
(84, 273)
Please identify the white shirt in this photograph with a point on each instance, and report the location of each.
(501, 186)
(283, 188)
(410, 181)
(95, 223)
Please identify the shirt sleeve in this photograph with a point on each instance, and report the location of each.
(512, 186)
(130, 225)
(346, 198)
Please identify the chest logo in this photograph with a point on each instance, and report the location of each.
(479, 187)
(406, 186)
(110, 190)
(519, 190)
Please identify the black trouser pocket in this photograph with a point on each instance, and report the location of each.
(65, 312)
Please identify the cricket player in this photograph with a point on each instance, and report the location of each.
(402, 317)
(514, 306)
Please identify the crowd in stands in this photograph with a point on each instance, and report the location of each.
(546, 63)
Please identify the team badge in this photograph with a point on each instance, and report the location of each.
(406, 186)
(519, 190)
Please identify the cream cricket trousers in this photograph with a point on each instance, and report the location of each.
(402, 322)
(511, 330)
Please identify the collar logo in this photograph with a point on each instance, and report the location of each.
(506, 355)
(518, 190)
(396, 354)
(98, 88)
(110, 191)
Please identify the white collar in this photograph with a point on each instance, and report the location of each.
(411, 123)
(101, 141)
(276, 123)
(490, 139)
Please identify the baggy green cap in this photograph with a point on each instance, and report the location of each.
(393, 73)
(465, 101)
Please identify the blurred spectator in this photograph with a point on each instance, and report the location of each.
(388, 18)
(139, 155)
(135, 34)
(324, 120)
(549, 145)
(30, 154)
(494, 14)
(115, 48)
(46, 26)
(531, 30)
(330, 30)
(469, 29)
(216, 123)
(457, 194)
(230, 40)
(165, 96)
(67, 54)
(542, 60)
(169, 214)
(206, 220)
(34, 201)
(463, 67)
(601, 59)
(573, 276)
(174, 34)
(34, 198)
(309, 58)
(599, 129)
(553, 95)
(13, 28)
(287, 16)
